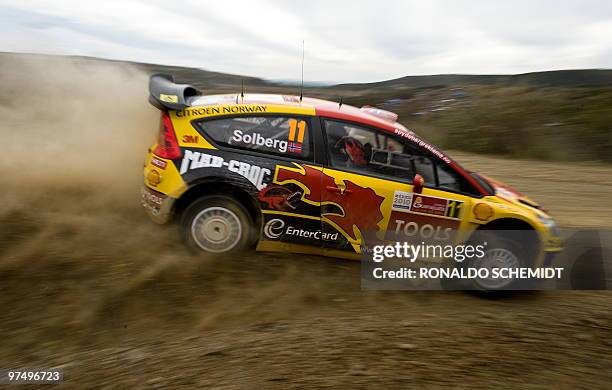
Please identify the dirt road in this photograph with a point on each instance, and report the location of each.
(113, 300)
(89, 285)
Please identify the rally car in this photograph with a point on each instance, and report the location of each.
(286, 173)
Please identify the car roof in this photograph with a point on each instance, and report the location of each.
(329, 109)
(322, 107)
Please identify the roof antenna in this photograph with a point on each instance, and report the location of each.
(241, 91)
(302, 86)
(340, 104)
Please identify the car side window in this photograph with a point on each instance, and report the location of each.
(364, 150)
(278, 135)
(450, 180)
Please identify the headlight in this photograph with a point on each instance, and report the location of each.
(550, 224)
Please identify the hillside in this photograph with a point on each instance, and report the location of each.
(198, 77)
(203, 78)
(557, 115)
(556, 78)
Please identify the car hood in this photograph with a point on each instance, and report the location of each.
(505, 191)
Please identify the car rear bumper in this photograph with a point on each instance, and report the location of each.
(157, 205)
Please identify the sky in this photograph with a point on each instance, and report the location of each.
(345, 41)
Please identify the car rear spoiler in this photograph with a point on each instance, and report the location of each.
(164, 93)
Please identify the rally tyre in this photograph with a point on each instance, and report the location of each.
(502, 251)
(216, 224)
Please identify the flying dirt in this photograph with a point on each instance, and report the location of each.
(89, 285)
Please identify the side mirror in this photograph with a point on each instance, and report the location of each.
(417, 183)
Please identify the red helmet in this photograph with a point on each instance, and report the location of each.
(353, 149)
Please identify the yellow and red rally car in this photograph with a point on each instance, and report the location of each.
(313, 176)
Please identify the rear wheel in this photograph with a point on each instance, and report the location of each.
(216, 224)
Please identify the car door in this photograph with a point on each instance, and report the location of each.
(282, 146)
(290, 203)
(368, 195)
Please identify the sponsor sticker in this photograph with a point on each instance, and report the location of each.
(253, 173)
(212, 110)
(190, 139)
(482, 211)
(275, 228)
(416, 203)
(412, 137)
(158, 162)
(359, 213)
(277, 197)
(428, 205)
(154, 178)
(402, 200)
(168, 98)
(152, 200)
(407, 227)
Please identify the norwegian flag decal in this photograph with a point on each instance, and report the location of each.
(294, 147)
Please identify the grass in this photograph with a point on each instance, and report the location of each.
(563, 124)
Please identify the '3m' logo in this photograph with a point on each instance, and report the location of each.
(190, 139)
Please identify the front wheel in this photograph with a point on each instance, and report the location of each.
(216, 224)
(503, 251)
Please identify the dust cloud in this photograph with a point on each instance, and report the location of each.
(73, 235)
(73, 138)
(70, 122)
